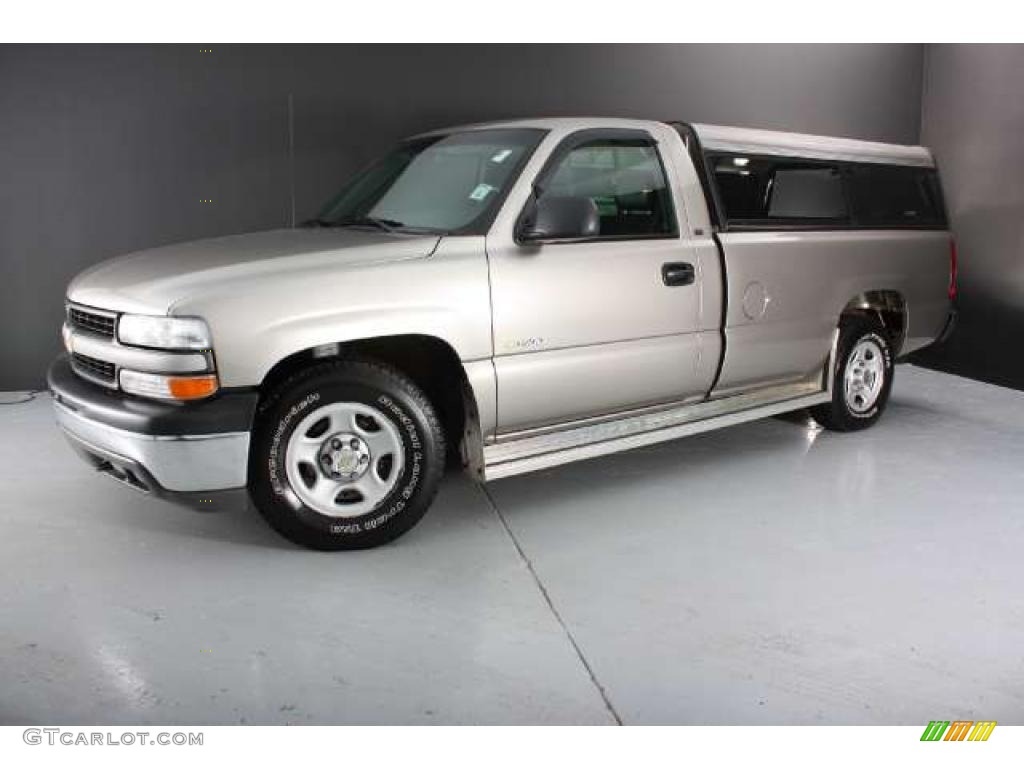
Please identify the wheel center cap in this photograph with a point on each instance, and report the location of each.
(344, 456)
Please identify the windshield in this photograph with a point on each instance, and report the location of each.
(444, 183)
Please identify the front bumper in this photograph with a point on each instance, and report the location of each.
(155, 447)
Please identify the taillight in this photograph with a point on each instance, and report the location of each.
(952, 269)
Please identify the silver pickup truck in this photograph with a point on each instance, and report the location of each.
(515, 295)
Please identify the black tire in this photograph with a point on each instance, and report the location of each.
(840, 414)
(393, 395)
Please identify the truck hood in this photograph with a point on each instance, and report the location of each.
(154, 280)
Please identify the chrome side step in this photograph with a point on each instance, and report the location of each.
(529, 454)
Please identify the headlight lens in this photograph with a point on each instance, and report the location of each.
(164, 332)
(168, 387)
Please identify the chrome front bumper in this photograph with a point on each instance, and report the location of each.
(158, 448)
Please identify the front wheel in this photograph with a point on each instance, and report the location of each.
(863, 377)
(346, 455)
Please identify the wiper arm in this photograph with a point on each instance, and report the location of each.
(388, 225)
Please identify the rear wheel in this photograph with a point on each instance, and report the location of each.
(346, 455)
(863, 377)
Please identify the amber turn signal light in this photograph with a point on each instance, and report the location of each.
(191, 387)
(169, 387)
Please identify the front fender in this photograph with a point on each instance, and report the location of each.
(259, 322)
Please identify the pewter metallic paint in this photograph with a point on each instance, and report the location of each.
(809, 278)
(609, 334)
(556, 333)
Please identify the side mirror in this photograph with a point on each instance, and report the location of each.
(560, 218)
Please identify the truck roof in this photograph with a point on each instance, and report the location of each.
(728, 138)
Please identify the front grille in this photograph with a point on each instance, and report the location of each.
(91, 368)
(91, 322)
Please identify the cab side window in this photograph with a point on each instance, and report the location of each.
(625, 180)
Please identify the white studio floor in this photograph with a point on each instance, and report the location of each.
(767, 573)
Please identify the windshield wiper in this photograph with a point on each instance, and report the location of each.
(388, 225)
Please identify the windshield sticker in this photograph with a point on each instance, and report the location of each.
(480, 192)
(501, 156)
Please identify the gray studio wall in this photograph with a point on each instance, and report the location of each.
(973, 119)
(109, 149)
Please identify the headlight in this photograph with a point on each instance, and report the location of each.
(168, 387)
(164, 332)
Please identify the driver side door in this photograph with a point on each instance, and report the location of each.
(590, 328)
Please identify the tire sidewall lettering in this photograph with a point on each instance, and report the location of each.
(275, 457)
(393, 505)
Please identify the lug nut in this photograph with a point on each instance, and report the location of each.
(335, 443)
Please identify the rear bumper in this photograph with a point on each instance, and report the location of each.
(155, 447)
